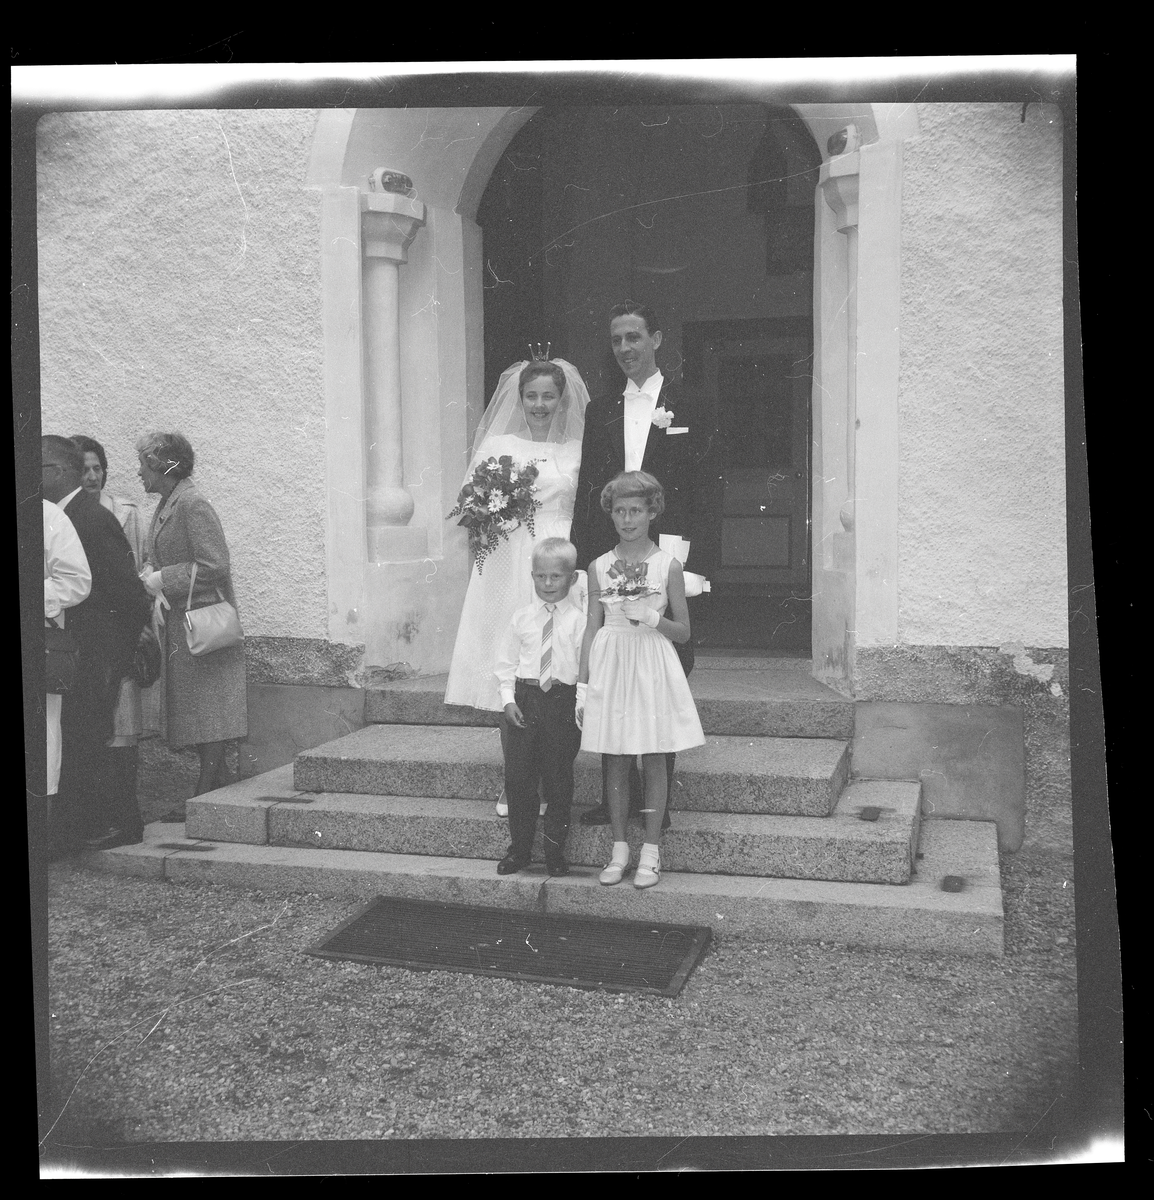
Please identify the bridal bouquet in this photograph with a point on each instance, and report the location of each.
(494, 502)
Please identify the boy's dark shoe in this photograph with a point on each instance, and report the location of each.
(557, 866)
(511, 864)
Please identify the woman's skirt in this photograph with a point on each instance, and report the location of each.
(205, 696)
(638, 700)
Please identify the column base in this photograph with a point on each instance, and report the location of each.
(397, 543)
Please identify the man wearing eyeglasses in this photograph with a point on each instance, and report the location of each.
(106, 625)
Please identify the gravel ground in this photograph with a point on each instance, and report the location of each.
(189, 1013)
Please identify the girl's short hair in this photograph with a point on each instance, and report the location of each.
(89, 445)
(171, 452)
(543, 367)
(634, 483)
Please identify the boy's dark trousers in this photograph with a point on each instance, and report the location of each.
(541, 756)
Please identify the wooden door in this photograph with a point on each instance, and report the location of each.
(754, 379)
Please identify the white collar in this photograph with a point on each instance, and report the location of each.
(631, 388)
(556, 604)
(69, 498)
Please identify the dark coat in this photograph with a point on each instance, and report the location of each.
(106, 625)
(108, 622)
(681, 463)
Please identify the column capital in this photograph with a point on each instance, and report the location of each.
(839, 184)
(389, 222)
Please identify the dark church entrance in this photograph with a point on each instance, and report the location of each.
(704, 213)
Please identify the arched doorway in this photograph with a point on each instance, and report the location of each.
(706, 214)
(405, 609)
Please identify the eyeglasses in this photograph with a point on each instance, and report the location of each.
(51, 466)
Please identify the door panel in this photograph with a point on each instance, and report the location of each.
(755, 380)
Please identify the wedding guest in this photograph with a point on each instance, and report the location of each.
(536, 671)
(633, 697)
(122, 822)
(107, 625)
(205, 701)
(67, 581)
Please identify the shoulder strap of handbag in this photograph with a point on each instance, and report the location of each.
(192, 584)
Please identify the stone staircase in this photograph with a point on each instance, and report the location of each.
(771, 838)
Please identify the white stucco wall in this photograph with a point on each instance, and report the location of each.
(180, 289)
(982, 528)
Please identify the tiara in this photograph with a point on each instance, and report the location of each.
(536, 354)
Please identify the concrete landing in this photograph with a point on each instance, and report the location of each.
(839, 847)
(760, 698)
(917, 917)
(782, 776)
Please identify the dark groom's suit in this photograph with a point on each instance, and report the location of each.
(677, 461)
(673, 459)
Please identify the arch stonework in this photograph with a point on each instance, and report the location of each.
(403, 606)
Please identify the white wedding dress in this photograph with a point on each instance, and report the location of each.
(505, 583)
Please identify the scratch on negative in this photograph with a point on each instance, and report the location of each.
(232, 170)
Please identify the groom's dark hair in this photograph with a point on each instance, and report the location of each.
(631, 308)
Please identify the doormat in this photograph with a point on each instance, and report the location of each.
(581, 952)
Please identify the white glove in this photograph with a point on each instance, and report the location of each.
(638, 610)
(582, 692)
(152, 581)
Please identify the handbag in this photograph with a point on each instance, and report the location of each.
(146, 659)
(214, 627)
(61, 659)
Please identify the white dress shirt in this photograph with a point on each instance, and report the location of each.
(519, 655)
(67, 581)
(640, 404)
(67, 577)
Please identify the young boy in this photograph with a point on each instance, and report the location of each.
(536, 670)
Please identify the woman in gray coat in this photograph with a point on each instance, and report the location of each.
(205, 704)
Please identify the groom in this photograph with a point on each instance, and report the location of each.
(621, 434)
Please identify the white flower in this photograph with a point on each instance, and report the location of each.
(497, 501)
(662, 418)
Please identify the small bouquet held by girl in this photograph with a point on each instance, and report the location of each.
(495, 501)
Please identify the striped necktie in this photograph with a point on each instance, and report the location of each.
(545, 673)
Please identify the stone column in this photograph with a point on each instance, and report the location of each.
(839, 183)
(389, 222)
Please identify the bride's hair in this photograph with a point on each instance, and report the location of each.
(542, 367)
(505, 415)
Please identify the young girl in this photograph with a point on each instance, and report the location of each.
(631, 687)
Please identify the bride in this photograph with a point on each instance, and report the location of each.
(537, 414)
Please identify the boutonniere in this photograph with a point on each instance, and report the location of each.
(662, 418)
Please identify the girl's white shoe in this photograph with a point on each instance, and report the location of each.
(502, 806)
(618, 864)
(648, 868)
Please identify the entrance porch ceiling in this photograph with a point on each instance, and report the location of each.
(438, 148)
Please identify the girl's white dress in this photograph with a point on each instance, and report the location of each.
(638, 700)
(505, 583)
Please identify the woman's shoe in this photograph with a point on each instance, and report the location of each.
(502, 805)
(648, 869)
(613, 873)
(618, 864)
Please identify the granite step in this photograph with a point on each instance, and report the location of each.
(780, 776)
(839, 847)
(918, 917)
(767, 698)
